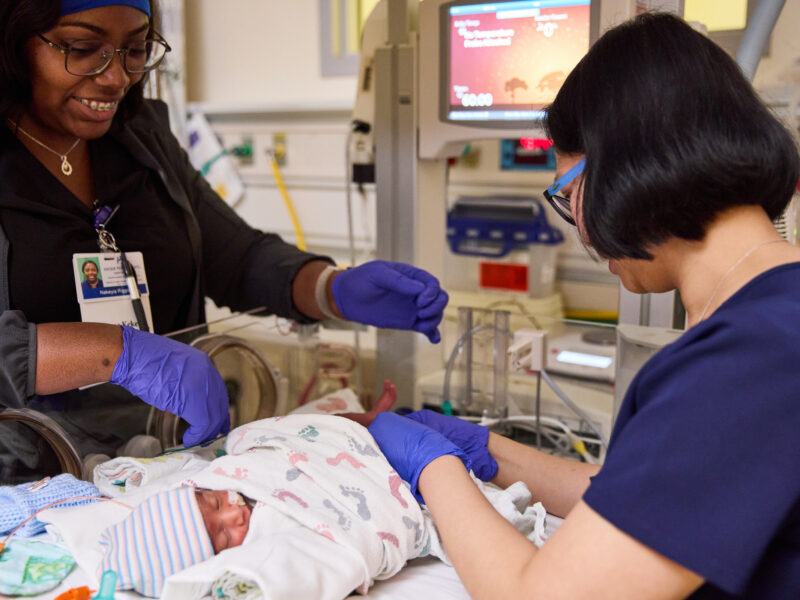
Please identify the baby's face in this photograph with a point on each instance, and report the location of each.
(226, 516)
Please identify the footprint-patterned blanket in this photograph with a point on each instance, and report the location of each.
(326, 474)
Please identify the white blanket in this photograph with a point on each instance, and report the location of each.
(327, 475)
(332, 514)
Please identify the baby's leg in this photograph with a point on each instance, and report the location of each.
(384, 403)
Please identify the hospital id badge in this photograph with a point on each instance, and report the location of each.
(102, 288)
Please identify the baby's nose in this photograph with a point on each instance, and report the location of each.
(233, 515)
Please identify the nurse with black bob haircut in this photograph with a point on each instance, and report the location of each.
(673, 170)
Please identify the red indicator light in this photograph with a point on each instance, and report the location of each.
(503, 276)
(531, 144)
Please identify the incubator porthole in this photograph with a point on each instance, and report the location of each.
(250, 380)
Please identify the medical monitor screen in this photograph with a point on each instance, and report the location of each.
(503, 62)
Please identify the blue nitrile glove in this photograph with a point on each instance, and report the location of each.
(175, 378)
(410, 446)
(391, 295)
(470, 437)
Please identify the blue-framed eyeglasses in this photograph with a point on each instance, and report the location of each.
(561, 204)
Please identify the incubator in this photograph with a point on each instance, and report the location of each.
(269, 367)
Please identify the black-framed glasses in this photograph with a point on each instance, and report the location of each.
(561, 204)
(92, 57)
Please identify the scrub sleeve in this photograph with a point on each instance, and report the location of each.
(703, 461)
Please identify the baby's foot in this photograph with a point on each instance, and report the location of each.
(384, 403)
(387, 399)
(358, 494)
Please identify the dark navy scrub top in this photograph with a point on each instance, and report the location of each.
(704, 461)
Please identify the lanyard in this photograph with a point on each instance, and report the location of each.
(107, 243)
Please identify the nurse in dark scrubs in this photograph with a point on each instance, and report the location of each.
(671, 167)
(76, 141)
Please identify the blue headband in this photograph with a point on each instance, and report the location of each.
(72, 6)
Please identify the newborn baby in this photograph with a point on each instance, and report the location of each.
(318, 472)
(226, 513)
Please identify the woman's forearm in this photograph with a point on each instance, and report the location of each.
(490, 556)
(558, 483)
(71, 355)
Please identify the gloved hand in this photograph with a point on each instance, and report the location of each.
(391, 295)
(410, 446)
(471, 438)
(176, 378)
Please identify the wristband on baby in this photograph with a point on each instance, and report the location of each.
(321, 295)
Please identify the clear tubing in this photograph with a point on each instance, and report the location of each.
(500, 379)
(451, 361)
(465, 324)
(574, 407)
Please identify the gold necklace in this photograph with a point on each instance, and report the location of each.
(729, 271)
(66, 167)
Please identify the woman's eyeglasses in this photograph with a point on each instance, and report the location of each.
(561, 204)
(92, 57)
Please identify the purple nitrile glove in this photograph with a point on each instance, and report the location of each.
(470, 437)
(409, 446)
(175, 378)
(391, 295)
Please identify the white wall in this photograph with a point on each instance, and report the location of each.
(258, 52)
(267, 52)
(785, 48)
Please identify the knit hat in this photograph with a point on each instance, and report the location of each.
(72, 6)
(165, 534)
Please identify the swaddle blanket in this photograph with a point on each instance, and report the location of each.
(326, 474)
(119, 476)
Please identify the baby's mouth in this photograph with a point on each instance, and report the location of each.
(98, 106)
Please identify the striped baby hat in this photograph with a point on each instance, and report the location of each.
(163, 535)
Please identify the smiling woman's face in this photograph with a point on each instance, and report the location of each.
(82, 106)
(90, 271)
(227, 522)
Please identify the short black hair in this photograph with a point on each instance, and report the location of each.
(20, 20)
(89, 262)
(673, 134)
